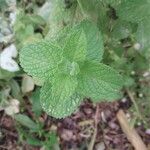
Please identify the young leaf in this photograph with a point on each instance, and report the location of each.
(59, 99)
(99, 82)
(94, 39)
(134, 10)
(41, 59)
(86, 35)
(75, 48)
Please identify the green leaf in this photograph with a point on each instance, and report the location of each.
(26, 121)
(40, 60)
(36, 20)
(6, 75)
(59, 99)
(89, 8)
(35, 100)
(95, 46)
(121, 30)
(103, 19)
(34, 142)
(15, 89)
(75, 38)
(143, 34)
(3, 5)
(75, 48)
(51, 141)
(99, 82)
(60, 16)
(60, 35)
(113, 3)
(134, 10)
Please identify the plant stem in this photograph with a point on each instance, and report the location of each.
(134, 103)
(81, 7)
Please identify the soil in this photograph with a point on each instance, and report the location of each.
(78, 129)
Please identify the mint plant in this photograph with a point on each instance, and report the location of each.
(70, 69)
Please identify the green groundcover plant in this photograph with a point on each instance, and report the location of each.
(69, 69)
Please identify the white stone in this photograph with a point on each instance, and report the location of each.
(146, 74)
(100, 146)
(27, 84)
(12, 108)
(6, 59)
(124, 100)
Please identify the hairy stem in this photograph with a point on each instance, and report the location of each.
(134, 103)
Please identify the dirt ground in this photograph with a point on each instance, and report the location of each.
(78, 129)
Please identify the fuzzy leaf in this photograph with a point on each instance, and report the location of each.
(75, 48)
(99, 82)
(95, 46)
(59, 99)
(41, 59)
(75, 38)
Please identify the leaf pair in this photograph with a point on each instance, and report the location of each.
(71, 71)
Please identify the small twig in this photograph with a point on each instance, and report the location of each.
(131, 133)
(91, 145)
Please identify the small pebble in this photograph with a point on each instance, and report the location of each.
(100, 146)
(147, 131)
(124, 100)
(146, 74)
(139, 123)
